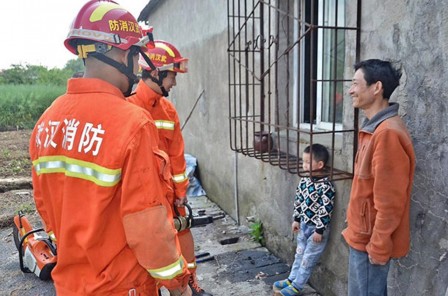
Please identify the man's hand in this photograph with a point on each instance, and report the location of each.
(181, 201)
(374, 262)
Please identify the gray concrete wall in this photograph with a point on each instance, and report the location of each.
(412, 32)
(415, 33)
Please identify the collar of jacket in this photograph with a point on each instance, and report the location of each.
(370, 125)
(92, 85)
(150, 97)
(319, 178)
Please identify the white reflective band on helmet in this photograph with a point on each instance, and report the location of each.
(180, 178)
(181, 66)
(97, 36)
(143, 41)
(169, 272)
(78, 169)
(163, 124)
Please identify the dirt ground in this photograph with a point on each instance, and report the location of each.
(14, 158)
(16, 195)
(15, 176)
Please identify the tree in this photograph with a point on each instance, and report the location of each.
(32, 74)
(14, 75)
(74, 66)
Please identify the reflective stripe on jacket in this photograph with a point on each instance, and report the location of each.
(170, 136)
(98, 189)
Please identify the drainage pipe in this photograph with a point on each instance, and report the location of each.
(235, 188)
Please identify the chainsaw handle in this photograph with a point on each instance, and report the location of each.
(22, 267)
(51, 246)
(190, 211)
(182, 222)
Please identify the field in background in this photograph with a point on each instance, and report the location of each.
(21, 105)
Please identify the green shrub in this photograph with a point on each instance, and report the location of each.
(257, 232)
(22, 105)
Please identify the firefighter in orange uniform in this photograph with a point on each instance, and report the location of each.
(95, 184)
(150, 94)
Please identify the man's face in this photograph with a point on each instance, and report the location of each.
(362, 94)
(169, 81)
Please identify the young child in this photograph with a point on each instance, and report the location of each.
(313, 205)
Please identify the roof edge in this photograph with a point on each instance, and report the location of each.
(149, 8)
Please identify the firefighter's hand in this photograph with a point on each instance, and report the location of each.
(180, 201)
(184, 291)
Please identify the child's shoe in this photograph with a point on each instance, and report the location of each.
(289, 291)
(279, 285)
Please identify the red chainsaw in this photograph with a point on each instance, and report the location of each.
(37, 253)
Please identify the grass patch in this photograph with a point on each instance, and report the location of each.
(256, 232)
(22, 105)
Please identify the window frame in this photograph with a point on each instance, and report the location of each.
(260, 94)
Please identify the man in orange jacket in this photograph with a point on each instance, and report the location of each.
(95, 184)
(378, 211)
(150, 94)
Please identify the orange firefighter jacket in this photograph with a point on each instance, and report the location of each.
(170, 136)
(97, 187)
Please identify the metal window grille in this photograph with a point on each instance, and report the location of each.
(287, 63)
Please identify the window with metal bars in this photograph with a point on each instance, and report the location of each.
(288, 71)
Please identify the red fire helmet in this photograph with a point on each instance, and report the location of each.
(106, 22)
(165, 57)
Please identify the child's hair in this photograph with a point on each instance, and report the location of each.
(320, 153)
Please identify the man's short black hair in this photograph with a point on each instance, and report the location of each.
(319, 153)
(377, 70)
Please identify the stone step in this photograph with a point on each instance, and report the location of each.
(9, 184)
